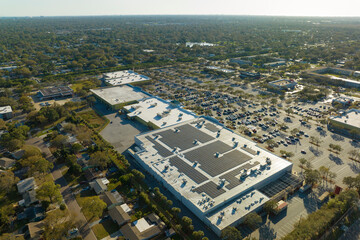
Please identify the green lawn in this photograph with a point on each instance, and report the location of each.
(94, 119)
(105, 228)
(81, 197)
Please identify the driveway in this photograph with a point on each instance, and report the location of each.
(72, 205)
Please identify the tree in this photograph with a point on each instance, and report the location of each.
(270, 206)
(315, 140)
(175, 211)
(99, 159)
(302, 162)
(59, 141)
(49, 191)
(354, 154)
(324, 172)
(138, 175)
(186, 223)
(198, 235)
(311, 176)
(7, 181)
(294, 131)
(57, 224)
(231, 233)
(93, 207)
(37, 164)
(252, 220)
(352, 182)
(270, 143)
(30, 151)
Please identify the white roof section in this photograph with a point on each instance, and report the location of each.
(142, 225)
(238, 209)
(346, 80)
(351, 118)
(221, 184)
(159, 112)
(126, 208)
(124, 77)
(119, 94)
(5, 109)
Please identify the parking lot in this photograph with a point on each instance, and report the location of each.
(120, 132)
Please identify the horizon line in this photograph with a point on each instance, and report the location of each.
(233, 15)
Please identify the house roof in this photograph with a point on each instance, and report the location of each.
(26, 185)
(18, 154)
(35, 229)
(99, 186)
(109, 198)
(7, 162)
(119, 215)
(144, 228)
(29, 197)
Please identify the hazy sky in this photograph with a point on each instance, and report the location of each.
(137, 7)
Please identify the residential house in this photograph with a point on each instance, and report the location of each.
(144, 228)
(6, 163)
(26, 185)
(119, 216)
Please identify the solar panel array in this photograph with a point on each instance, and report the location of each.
(230, 176)
(211, 189)
(184, 138)
(160, 149)
(189, 171)
(211, 127)
(216, 165)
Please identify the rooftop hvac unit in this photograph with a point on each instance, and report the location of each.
(268, 161)
(245, 146)
(258, 152)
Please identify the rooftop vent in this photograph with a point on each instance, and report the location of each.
(217, 154)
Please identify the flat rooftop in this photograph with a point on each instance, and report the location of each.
(159, 112)
(351, 117)
(5, 109)
(211, 167)
(282, 82)
(119, 94)
(124, 77)
(55, 91)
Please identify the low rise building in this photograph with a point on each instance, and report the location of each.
(145, 228)
(348, 123)
(250, 75)
(119, 96)
(26, 185)
(217, 174)
(157, 113)
(241, 61)
(124, 77)
(6, 112)
(283, 84)
(119, 216)
(6, 163)
(98, 186)
(55, 92)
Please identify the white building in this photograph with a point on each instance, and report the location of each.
(6, 112)
(283, 84)
(157, 113)
(217, 174)
(347, 123)
(124, 77)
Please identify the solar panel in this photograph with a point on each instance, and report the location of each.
(160, 149)
(216, 165)
(211, 189)
(184, 138)
(188, 170)
(211, 127)
(230, 176)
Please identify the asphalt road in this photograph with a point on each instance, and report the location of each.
(72, 205)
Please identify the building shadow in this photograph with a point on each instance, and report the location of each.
(266, 232)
